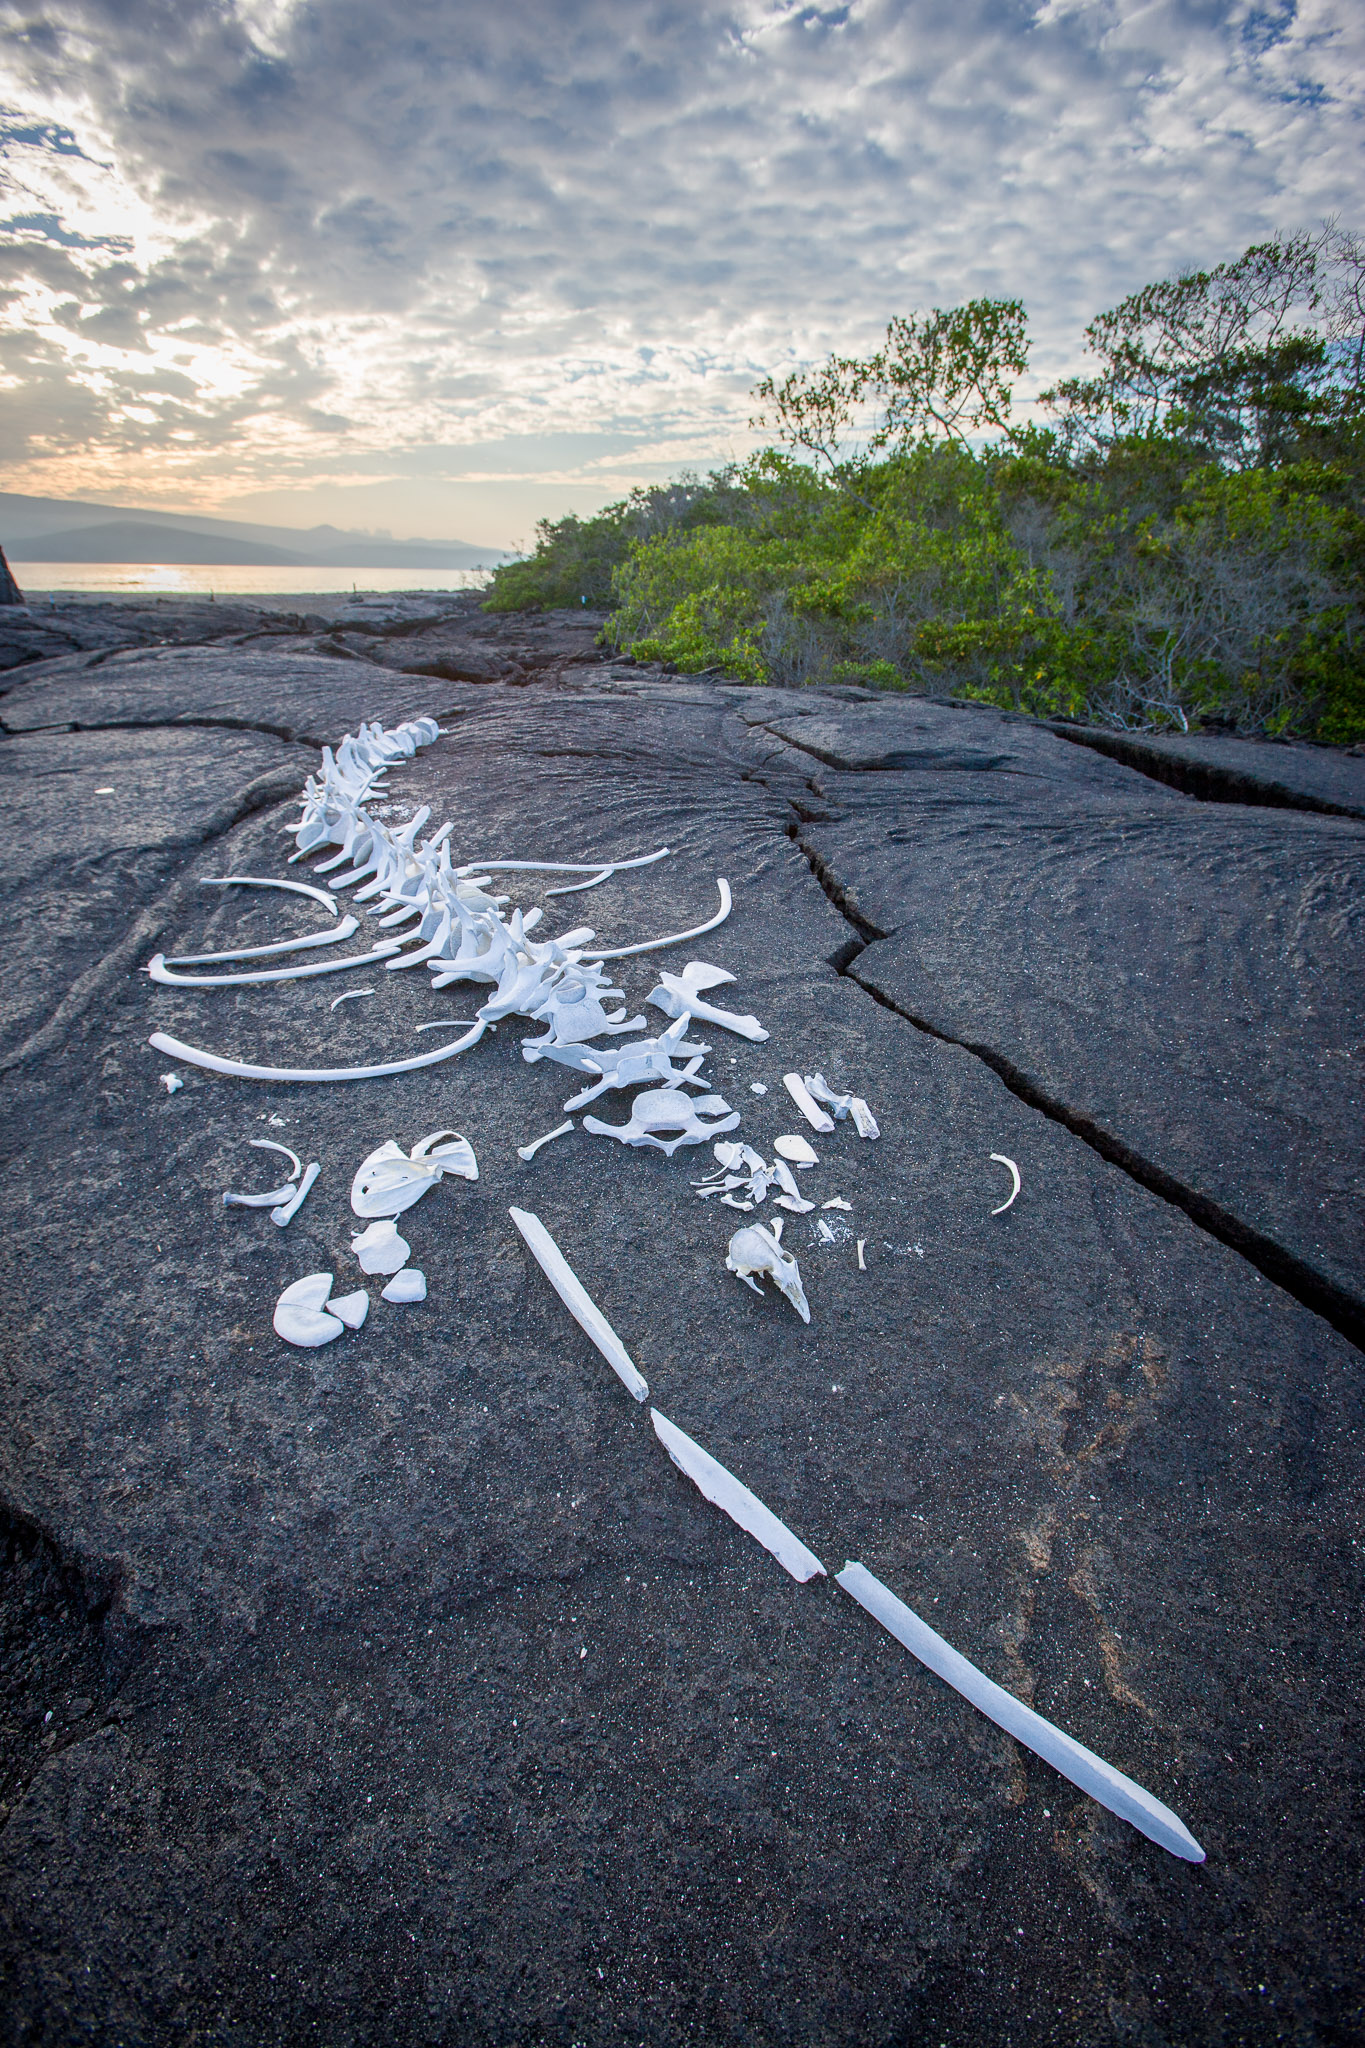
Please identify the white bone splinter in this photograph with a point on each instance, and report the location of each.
(755, 1250)
(1119, 1794)
(351, 995)
(530, 1151)
(579, 1302)
(805, 1102)
(724, 1491)
(1001, 1160)
(680, 995)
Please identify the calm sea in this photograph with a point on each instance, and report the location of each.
(123, 579)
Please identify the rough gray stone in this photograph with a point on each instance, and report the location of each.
(1222, 768)
(451, 1711)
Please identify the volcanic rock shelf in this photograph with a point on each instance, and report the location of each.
(432, 1704)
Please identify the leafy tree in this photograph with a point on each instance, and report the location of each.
(947, 373)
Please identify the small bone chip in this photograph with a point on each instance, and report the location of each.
(1119, 1794)
(758, 1087)
(844, 1105)
(755, 1250)
(724, 1491)
(299, 1313)
(352, 1308)
(407, 1285)
(380, 1249)
(171, 1082)
(794, 1147)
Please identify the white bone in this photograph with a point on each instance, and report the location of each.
(668, 1109)
(724, 1491)
(645, 1059)
(290, 1209)
(844, 1105)
(680, 994)
(823, 1231)
(673, 938)
(172, 1082)
(796, 1148)
(380, 1249)
(758, 1087)
(391, 1180)
(530, 1151)
(350, 996)
(791, 1196)
(837, 1202)
(352, 1308)
(598, 869)
(299, 1316)
(1001, 1160)
(332, 938)
(578, 1301)
(272, 1145)
(268, 1201)
(216, 1064)
(322, 896)
(444, 1023)
(756, 1250)
(1118, 1794)
(160, 972)
(810, 1109)
(408, 1285)
(862, 1263)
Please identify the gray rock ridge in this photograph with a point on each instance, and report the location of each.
(1221, 768)
(429, 1691)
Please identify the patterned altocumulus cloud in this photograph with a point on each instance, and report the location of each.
(316, 251)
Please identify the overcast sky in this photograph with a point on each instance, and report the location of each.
(445, 267)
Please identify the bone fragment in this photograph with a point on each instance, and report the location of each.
(796, 1148)
(837, 1202)
(215, 1064)
(668, 1109)
(160, 972)
(380, 1249)
(352, 1308)
(680, 995)
(273, 1145)
(408, 1285)
(1001, 1160)
(352, 995)
(267, 1201)
(172, 1082)
(299, 1313)
(347, 926)
(322, 896)
(806, 1103)
(844, 1105)
(758, 1087)
(530, 1151)
(290, 1209)
(673, 938)
(756, 1250)
(578, 1301)
(862, 1263)
(1119, 1794)
(724, 1491)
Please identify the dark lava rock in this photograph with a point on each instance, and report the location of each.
(446, 1709)
(1223, 769)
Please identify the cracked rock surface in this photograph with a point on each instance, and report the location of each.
(426, 1701)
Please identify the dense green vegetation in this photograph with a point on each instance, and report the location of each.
(1184, 542)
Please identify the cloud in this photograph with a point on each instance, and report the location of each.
(310, 240)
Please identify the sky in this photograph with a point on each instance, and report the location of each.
(446, 267)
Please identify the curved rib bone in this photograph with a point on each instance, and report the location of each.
(214, 1063)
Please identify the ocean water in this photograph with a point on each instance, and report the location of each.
(127, 579)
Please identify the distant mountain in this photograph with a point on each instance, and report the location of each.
(74, 530)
